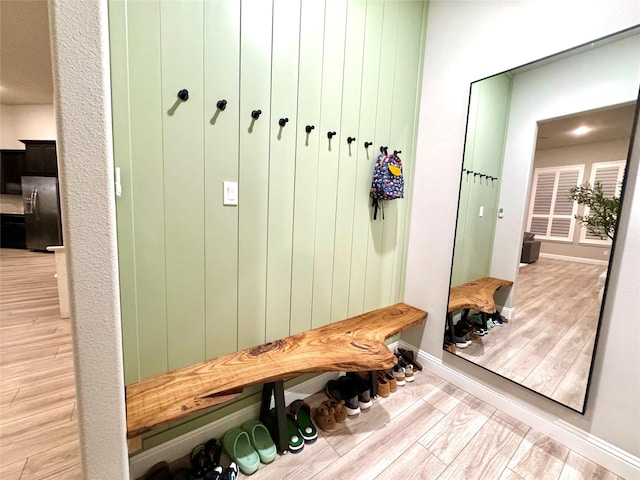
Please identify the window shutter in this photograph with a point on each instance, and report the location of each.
(551, 210)
(609, 175)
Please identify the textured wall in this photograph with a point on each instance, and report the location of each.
(80, 64)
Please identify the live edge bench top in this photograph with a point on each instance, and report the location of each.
(355, 344)
(477, 295)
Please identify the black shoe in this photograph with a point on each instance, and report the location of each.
(232, 471)
(344, 390)
(363, 389)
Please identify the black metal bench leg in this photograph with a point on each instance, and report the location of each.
(451, 331)
(280, 434)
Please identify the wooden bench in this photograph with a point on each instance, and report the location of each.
(476, 295)
(355, 344)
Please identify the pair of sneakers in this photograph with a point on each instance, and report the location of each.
(353, 390)
(403, 371)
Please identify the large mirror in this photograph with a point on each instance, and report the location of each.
(529, 276)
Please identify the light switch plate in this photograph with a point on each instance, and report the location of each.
(230, 190)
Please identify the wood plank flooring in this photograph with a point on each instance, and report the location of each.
(430, 429)
(38, 428)
(427, 430)
(547, 346)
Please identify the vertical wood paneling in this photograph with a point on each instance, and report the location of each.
(282, 165)
(221, 82)
(183, 143)
(376, 285)
(124, 204)
(392, 216)
(403, 115)
(200, 279)
(147, 184)
(350, 155)
(255, 89)
(309, 86)
(325, 211)
(368, 109)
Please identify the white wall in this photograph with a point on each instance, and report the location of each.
(597, 78)
(82, 93)
(26, 122)
(467, 41)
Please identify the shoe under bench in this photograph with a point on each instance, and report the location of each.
(354, 344)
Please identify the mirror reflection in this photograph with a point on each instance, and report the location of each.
(545, 153)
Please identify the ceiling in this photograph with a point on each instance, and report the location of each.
(25, 53)
(606, 124)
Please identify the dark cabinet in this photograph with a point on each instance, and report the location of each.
(12, 232)
(40, 158)
(11, 169)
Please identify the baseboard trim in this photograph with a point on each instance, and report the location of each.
(182, 445)
(609, 456)
(591, 261)
(506, 312)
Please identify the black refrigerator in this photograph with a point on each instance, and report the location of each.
(41, 212)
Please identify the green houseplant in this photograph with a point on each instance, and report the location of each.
(602, 217)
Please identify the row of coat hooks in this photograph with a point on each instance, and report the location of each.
(385, 150)
(183, 95)
(481, 175)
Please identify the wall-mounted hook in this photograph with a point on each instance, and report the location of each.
(397, 152)
(383, 150)
(367, 144)
(283, 121)
(475, 174)
(222, 104)
(464, 170)
(350, 140)
(330, 135)
(256, 114)
(308, 128)
(469, 171)
(183, 94)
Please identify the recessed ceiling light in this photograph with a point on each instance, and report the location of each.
(581, 130)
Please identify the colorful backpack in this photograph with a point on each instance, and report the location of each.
(388, 182)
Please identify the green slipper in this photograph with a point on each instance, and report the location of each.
(261, 440)
(238, 446)
(300, 412)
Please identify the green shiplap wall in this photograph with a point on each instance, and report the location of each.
(200, 279)
(484, 149)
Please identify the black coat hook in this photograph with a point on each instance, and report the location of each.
(308, 128)
(469, 171)
(367, 144)
(384, 150)
(183, 94)
(350, 140)
(256, 114)
(397, 152)
(222, 104)
(283, 121)
(330, 135)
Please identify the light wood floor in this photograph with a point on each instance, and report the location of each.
(547, 346)
(38, 427)
(431, 430)
(427, 430)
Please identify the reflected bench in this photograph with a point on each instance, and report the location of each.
(476, 295)
(354, 344)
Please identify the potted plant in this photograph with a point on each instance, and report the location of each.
(602, 215)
